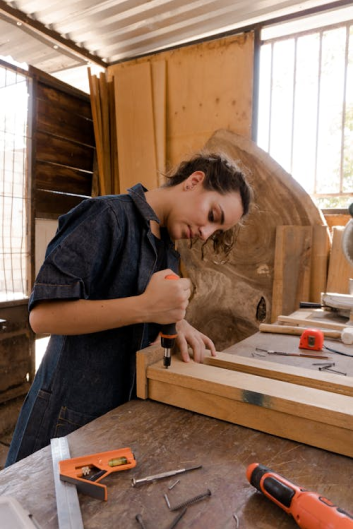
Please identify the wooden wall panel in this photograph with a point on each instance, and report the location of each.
(63, 146)
(63, 152)
(16, 358)
(209, 86)
(51, 178)
(135, 127)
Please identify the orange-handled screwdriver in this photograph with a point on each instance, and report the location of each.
(168, 335)
(309, 509)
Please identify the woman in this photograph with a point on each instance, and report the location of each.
(102, 294)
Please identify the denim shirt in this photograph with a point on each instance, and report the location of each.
(103, 249)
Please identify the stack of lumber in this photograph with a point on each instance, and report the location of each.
(103, 112)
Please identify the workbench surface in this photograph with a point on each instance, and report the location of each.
(165, 438)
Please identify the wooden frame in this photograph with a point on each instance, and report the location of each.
(290, 402)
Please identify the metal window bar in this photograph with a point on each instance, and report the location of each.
(269, 142)
(318, 111)
(14, 196)
(344, 107)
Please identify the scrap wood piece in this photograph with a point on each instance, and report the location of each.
(292, 268)
(314, 318)
(340, 271)
(318, 417)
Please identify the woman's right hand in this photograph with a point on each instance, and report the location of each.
(166, 300)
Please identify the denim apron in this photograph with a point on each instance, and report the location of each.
(103, 249)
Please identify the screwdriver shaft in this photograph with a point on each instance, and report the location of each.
(162, 475)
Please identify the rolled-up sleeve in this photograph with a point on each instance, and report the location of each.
(82, 250)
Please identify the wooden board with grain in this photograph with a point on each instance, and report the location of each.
(291, 277)
(340, 271)
(291, 403)
(135, 127)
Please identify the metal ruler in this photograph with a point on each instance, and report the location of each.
(68, 506)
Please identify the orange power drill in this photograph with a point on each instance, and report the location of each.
(309, 509)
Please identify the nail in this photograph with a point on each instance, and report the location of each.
(140, 521)
(177, 519)
(185, 503)
(172, 486)
(236, 520)
(167, 500)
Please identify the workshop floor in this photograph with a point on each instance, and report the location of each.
(5, 438)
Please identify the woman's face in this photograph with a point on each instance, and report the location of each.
(197, 213)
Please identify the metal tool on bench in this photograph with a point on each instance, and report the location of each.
(309, 509)
(68, 478)
(168, 335)
(162, 475)
(86, 472)
(285, 353)
(312, 339)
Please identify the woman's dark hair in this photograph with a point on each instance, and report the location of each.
(221, 175)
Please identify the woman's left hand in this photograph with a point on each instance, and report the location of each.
(187, 337)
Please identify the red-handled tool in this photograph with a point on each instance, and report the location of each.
(309, 509)
(168, 335)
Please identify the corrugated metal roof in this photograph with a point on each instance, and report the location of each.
(115, 30)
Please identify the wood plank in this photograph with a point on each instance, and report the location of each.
(61, 151)
(97, 127)
(54, 177)
(143, 360)
(319, 261)
(292, 269)
(135, 127)
(159, 91)
(315, 318)
(295, 330)
(64, 123)
(286, 373)
(277, 423)
(340, 271)
(296, 403)
(261, 392)
(74, 103)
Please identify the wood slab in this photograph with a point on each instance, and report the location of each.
(231, 299)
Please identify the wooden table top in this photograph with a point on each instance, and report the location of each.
(165, 438)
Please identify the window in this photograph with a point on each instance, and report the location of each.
(14, 195)
(305, 119)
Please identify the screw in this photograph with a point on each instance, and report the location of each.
(185, 503)
(140, 521)
(173, 485)
(335, 371)
(177, 519)
(167, 500)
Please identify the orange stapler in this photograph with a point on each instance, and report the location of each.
(86, 472)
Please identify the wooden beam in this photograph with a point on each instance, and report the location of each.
(286, 373)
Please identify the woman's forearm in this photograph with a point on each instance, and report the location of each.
(85, 316)
(162, 302)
